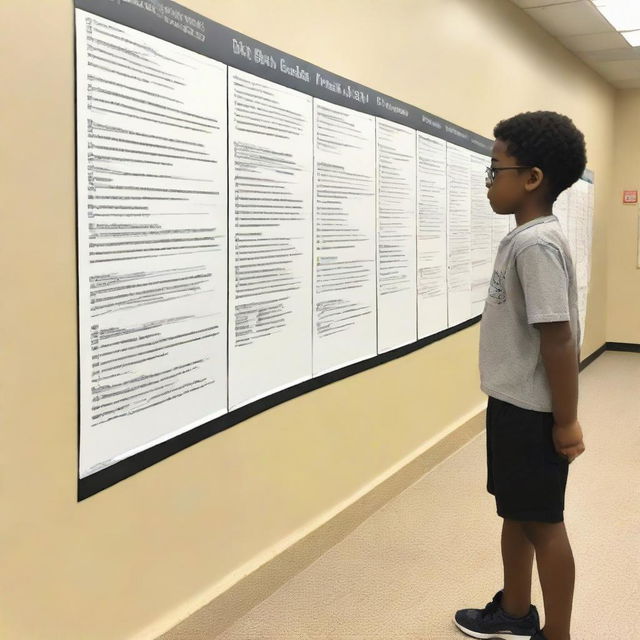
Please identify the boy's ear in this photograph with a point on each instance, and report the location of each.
(536, 176)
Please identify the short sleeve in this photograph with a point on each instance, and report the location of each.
(545, 283)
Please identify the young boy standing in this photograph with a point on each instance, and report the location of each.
(529, 342)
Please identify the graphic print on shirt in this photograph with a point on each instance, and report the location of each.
(497, 289)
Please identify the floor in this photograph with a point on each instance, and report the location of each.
(435, 548)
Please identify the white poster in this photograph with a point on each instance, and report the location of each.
(432, 234)
(561, 211)
(481, 239)
(458, 233)
(582, 234)
(588, 248)
(270, 237)
(344, 276)
(396, 204)
(152, 240)
(590, 211)
(582, 244)
(499, 229)
(573, 211)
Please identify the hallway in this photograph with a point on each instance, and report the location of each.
(436, 547)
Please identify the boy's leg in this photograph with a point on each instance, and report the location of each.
(517, 558)
(556, 570)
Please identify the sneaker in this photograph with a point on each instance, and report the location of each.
(493, 622)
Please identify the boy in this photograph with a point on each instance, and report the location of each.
(529, 341)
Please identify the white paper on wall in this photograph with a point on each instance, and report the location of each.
(344, 261)
(152, 240)
(432, 234)
(396, 207)
(561, 211)
(574, 209)
(481, 235)
(270, 237)
(499, 229)
(458, 233)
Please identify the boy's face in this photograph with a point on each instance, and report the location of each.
(510, 188)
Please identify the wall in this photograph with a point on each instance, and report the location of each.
(138, 557)
(623, 276)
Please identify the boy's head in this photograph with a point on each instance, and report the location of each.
(548, 153)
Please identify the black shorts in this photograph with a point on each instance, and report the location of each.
(524, 472)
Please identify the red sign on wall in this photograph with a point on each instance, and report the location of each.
(630, 197)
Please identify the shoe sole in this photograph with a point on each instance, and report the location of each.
(490, 636)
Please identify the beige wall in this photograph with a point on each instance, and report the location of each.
(623, 276)
(136, 558)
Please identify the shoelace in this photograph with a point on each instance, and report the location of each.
(490, 609)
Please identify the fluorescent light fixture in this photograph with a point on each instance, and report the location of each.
(632, 37)
(624, 15)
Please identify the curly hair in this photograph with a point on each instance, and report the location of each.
(547, 140)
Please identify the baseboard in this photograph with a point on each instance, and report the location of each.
(228, 607)
(596, 354)
(630, 347)
(623, 346)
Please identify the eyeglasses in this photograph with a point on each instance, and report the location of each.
(491, 173)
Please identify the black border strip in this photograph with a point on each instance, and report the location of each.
(623, 346)
(629, 347)
(75, 231)
(138, 462)
(596, 354)
(109, 476)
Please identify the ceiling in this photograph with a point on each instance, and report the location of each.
(582, 29)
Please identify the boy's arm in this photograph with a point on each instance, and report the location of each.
(543, 274)
(558, 351)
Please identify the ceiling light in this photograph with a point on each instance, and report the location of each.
(632, 37)
(624, 15)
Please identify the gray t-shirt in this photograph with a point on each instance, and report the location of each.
(533, 281)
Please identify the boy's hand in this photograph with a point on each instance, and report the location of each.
(567, 440)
